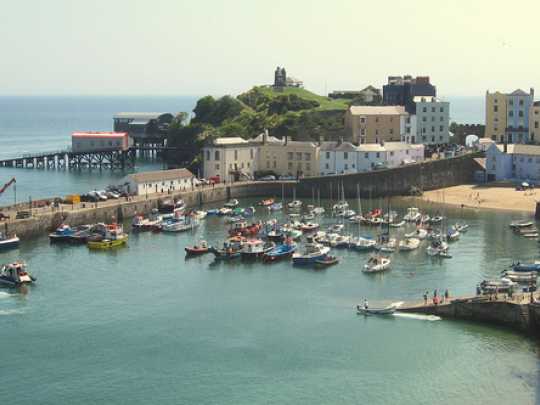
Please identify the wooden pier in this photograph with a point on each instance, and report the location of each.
(67, 159)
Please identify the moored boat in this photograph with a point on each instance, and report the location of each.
(266, 202)
(326, 261)
(198, 249)
(114, 236)
(232, 203)
(409, 244)
(310, 253)
(363, 243)
(413, 214)
(362, 310)
(255, 248)
(295, 204)
(61, 234)
(377, 264)
(521, 224)
(280, 252)
(8, 242)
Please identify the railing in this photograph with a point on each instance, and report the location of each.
(43, 154)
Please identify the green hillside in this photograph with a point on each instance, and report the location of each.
(325, 103)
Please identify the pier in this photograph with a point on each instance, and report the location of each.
(67, 159)
(516, 312)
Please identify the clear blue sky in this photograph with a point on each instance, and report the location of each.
(216, 47)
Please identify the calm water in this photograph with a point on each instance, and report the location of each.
(143, 325)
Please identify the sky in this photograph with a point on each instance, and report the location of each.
(197, 47)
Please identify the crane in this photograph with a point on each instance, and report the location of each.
(5, 186)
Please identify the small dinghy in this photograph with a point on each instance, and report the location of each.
(409, 244)
(389, 310)
(279, 252)
(419, 233)
(199, 249)
(377, 264)
(296, 204)
(521, 224)
(326, 261)
(232, 203)
(521, 267)
(8, 243)
(15, 274)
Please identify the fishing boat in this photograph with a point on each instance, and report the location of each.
(362, 310)
(518, 266)
(363, 243)
(266, 202)
(140, 223)
(521, 224)
(412, 215)
(182, 224)
(275, 235)
(232, 203)
(8, 242)
(276, 206)
(280, 252)
(310, 253)
(502, 286)
(292, 233)
(255, 248)
(326, 262)
(198, 249)
(15, 274)
(419, 233)
(248, 212)
(409, 244)
(228, 252)
(114, 236)
(62, 234)
(377, 264)
(82, 233)
(242, 228)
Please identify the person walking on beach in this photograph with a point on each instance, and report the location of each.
(446, 294)
(425, 298)
(366, 305)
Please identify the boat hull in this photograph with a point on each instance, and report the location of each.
(8, 244)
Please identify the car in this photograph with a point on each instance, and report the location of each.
(287, 178)
(267, 178)
(112, 194)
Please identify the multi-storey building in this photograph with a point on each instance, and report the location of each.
(432, 116)
(507, 116)
(534, 123)
(374, 124)
(401, 90)
(229, 158)
(513, 162)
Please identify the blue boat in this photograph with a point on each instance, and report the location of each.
(311, 254)
(526, 266)
(276, 206)
(8, 243)
(248, 212)
(62, 234)
(214, 211)
(279, 252)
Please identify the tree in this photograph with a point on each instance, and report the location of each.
(204, 109)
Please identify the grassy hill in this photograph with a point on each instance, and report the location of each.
(325, 103)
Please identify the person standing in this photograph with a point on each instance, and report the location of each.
(425, 298)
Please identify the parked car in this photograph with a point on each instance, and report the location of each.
(112, 194)
(267, 178)
(287, 178)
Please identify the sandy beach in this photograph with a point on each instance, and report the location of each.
(484, 197)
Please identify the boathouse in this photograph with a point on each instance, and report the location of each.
(159, 181)
(144, 127)
(99, 141)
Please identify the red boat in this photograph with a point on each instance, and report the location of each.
(266, 203)
(196, 250)
(241, 228)
(375, 213)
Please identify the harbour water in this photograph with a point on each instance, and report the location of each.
(143, 325)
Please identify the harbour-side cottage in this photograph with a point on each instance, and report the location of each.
(513, 162)
(159, 181)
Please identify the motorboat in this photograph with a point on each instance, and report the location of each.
(336, 228)
(357, 219)
(340, 241)
(180, 225)
(61, 234)
(81, 234)
(295, 204)
(319, 210)
(452, 235)
(15, 274)
(242, 228)
(279, 252)
(502, 286)
(318, 237)
(8, 242)
(225, 211)
(326, 262)
(363, 243)
(292, 233)
(275, 235)
(386, 244)
(248, 212)
(409, 244)
(232, 203)
(308, 217)
(346, 214)
(255, 248)
(526, 267)
(233, 219)
(438, 248)
(140, 223)
(113, 236)
(461, 227)
(521, 276)
(376, 264)
(340, 206)
(437, 219)
(227, 252)
(363, 310)
(266, 202)
(309, 227)
(413, 215)
(419, 233)
(521, 224)
(310, 253)
(199, 214)
(213, 211)
(198, 249)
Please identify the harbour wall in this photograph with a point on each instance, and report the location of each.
(398, 181)
(517, 314)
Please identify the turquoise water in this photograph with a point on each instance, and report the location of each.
(143, 325)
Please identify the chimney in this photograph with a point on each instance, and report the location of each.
(320, 140)
(265, 136)
(532, 92)
(286, 139)
(340, 140)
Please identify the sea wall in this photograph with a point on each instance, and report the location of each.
(401, 180)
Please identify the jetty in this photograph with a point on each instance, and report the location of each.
(521, 311)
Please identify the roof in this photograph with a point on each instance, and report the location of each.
(377, 110)
(269, 139)
(236, 140)
(485, 140)
(328, 146)
(401, 146)
(101, 134)
(160, 175)
(519, 92)
(139, 122)
(346, 147)
(140, 115)
(481, 162)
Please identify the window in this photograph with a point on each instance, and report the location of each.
(230, 166)
(432, 139)
(376, 119)
(424, 119)
(362, 120)
(391, 131)
(251, 153)
(268, 164)
(362, 131)
(327, 166)
(290, 155)
(530, 160)
(353, 166)
(366, 155)
(432, 119)
(274, 164)
(536, 124)
(510, 113)
(432, 109)
(392, 153)
(235, 154)
(346, 166)
(441, 119)
(346, 155)
(378, 154)
(423, 130)
(308, 166)
(248, 164)
(520, 113)
(406, 151)
(298, 155)
(217, 166)
(307, 156)
(207, 155)
(510, 102)
(441, 109)
(432, 129)
(216, 155)
(408, 120)
(441, 128)
(424, 109)
(376, 132)
(408, 130)
(328, 155)
(520, 102)
(290, 165)
(495, 108)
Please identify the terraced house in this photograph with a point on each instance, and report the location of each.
(508, 117)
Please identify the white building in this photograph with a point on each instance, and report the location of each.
(345, 158)
(227, 158)
(159, 181)
(513, 162)
(432, 121)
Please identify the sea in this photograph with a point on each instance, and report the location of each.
(142, 324)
